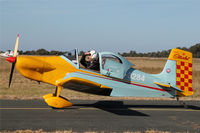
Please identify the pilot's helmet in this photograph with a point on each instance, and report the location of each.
(93, 54)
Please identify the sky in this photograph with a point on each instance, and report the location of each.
(103, 25)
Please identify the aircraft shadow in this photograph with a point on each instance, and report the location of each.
(115, 107)
(193, 107)
(119, 108)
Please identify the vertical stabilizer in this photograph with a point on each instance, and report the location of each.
(183, 71)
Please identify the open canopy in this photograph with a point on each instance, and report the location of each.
(111, 64)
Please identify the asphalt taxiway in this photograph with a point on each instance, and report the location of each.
(92, 115)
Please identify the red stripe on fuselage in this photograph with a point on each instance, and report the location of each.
(154, 88)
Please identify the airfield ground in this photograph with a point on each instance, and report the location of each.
(23, 88)
(101, 116)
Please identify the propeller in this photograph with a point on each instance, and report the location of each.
(13, 60)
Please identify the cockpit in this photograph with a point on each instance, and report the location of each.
(110, 64)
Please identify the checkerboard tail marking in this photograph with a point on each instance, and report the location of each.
(183, 71)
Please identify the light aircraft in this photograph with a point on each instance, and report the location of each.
(7, 54)
(116, 77)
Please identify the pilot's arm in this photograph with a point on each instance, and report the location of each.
(84, 62)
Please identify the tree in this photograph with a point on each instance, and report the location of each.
(195, 50)
(42, 52)
(81, 53)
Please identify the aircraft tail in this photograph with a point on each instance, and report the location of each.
(178, 72)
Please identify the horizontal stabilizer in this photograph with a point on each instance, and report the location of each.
(168, 86)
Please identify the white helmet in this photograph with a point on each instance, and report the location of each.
(93, 54)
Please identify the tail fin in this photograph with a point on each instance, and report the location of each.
(183, 71)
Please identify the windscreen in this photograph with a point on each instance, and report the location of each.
(72, 55)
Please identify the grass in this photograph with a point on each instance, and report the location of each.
(23, 88)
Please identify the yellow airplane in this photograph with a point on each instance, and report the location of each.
(115, 77)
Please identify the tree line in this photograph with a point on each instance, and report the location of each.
(41, 52)
(195, 50)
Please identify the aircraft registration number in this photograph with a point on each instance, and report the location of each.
(137, 77)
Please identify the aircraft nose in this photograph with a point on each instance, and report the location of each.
(11, 59)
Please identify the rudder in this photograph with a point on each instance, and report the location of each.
(183, 71)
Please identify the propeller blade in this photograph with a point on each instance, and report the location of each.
(11, 73)
(16, 46)
(13, 60)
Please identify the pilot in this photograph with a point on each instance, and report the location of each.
(90, 60)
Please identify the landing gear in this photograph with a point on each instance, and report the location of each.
(56, 101)
(181, 102)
